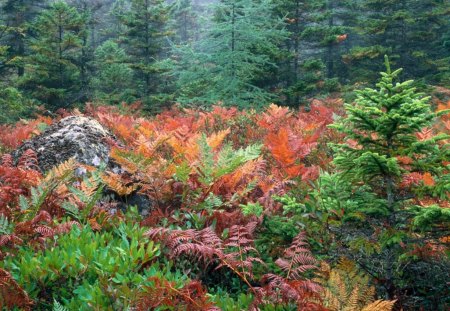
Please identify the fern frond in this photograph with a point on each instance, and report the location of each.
(353, 300)
(58, 307)
(114, 182)
(11, 294)
(164, 294)
(5, 226)
(28, 160)
(71, 209)
(66, 227)
(380, 305)
(61, 172)
(297, 258)
(131, 161)
(346, 287)
(216, 139)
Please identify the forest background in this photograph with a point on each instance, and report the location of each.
(62, 54)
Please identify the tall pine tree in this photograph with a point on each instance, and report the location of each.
(144, 41)
(412, 32)
(113, 82)
(16, 16)
(54, 65)
(233, 60)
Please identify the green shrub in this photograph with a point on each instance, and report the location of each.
(87, 270)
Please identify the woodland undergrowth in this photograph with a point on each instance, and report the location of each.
(248, 210)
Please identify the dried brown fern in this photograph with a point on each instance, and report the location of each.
(380, 305)
(297, 258)
(346, 288)
(115, 183)
(11, 294)
(61, 172)
(236, 253)
(163, 293)
(294, 287)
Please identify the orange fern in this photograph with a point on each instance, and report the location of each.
(11, 294)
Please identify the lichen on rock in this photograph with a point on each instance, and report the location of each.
(80, 137)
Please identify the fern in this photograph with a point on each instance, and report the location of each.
(11, 294)
(87, 194)
(131, 161)
(71, 209)
(5, 226)
(297, 258)
(62, 172)
(347, 288)
(236, 253)
(114, 182)
(249, 153)
(38, 196)
(294, 287)
(164, 294)
(58, 307)
(380, 305)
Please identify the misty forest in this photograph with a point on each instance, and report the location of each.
(261, 155)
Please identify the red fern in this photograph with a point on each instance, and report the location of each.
(16, 181)
(293, 287)
(164, 293)
(297, 258)
(11, 294)
(236, 253)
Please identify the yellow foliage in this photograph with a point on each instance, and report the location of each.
(380, 305)
(216, 139)
(61, 172)
(114, 182)
(348, 289)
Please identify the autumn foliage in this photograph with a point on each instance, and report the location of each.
(214, 180)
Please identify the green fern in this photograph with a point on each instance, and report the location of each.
(32, 205)
(5, 226)
(72, 210)
(228, 160)
(58, 307)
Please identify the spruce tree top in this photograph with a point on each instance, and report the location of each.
(381, 125)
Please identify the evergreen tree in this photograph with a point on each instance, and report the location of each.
(143, 39)
(16, 16)
(383, 150)
(183, 21)
(116, 16)
(235, 56)
(319, 35)
(3, 48)
(412, 32)
(55, 60)
(113, 81)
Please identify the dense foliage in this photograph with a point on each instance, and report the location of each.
(228, 186)
(61, 54)
(334, 207)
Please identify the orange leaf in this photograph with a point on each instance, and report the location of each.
(428, 179)
(216, 139)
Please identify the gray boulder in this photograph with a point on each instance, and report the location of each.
(76, 136)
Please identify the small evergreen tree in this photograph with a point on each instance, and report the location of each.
(385, 149)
